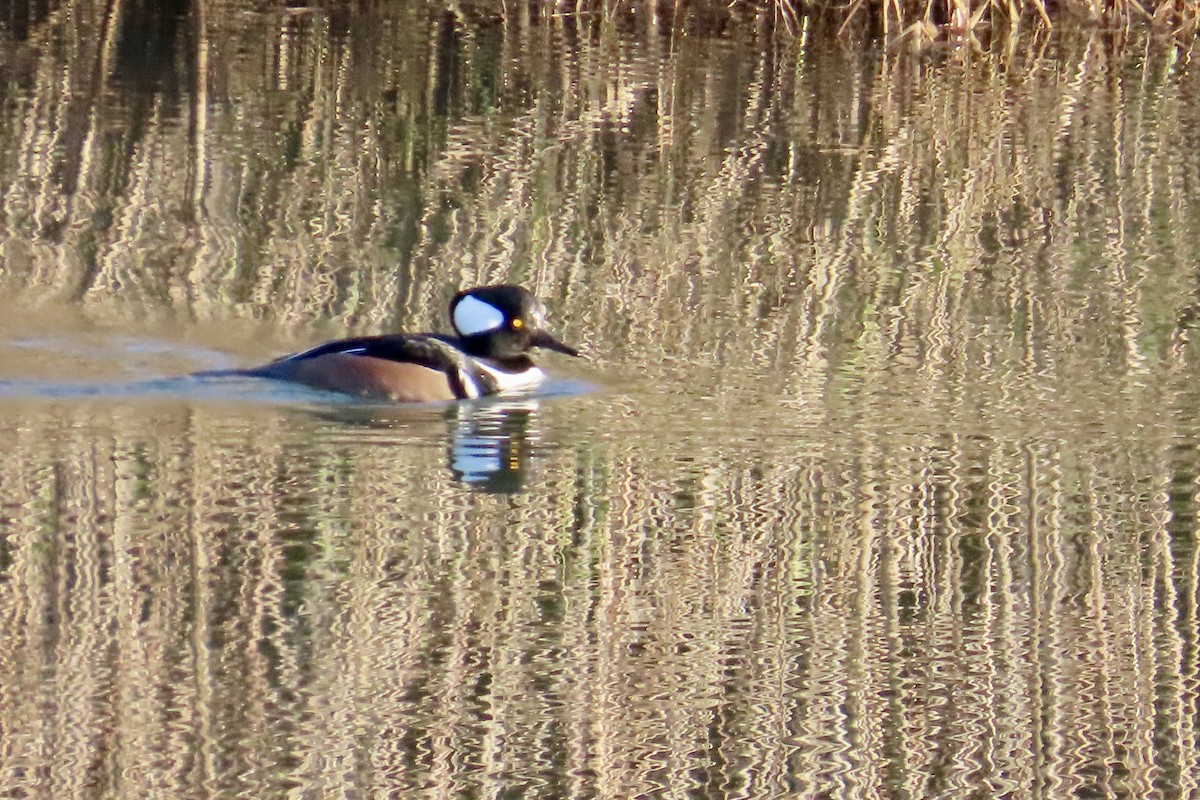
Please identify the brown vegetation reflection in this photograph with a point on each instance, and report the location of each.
(893, 492)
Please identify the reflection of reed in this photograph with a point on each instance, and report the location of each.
(317, 611)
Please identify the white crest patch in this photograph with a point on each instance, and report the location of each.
(472, 316)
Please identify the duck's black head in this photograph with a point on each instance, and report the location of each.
(502, 322)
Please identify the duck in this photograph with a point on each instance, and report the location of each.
(495, 329)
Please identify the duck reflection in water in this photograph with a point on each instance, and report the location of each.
(489, 443)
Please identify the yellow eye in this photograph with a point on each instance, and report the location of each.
(518, 324)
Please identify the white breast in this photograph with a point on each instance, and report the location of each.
(515, 381)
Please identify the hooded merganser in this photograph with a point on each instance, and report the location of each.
(497, 326)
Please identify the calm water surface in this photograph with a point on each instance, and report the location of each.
(879, 478)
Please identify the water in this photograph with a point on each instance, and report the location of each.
(878, 477)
